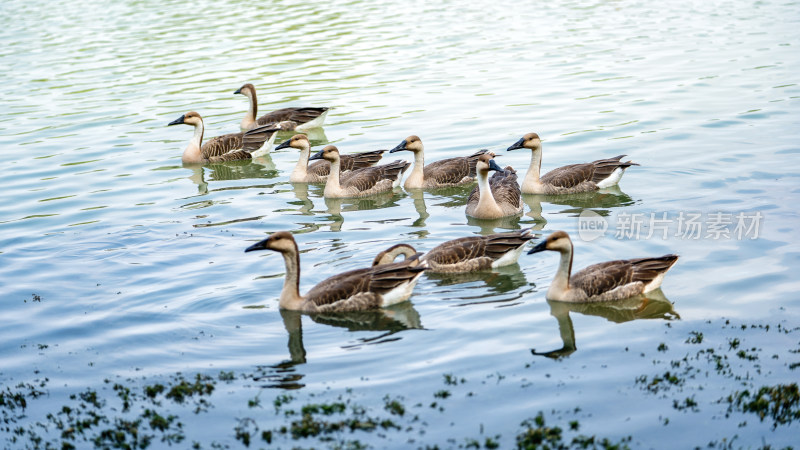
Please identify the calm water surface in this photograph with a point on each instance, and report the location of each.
(117, 262)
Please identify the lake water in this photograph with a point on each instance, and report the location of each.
(119, 263)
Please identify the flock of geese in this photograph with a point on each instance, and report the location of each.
(389, 281)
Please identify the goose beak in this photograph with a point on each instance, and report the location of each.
(238, 91)
(260, 245)
(177, 121)
(493, 166)
(284, 144)
(539, 248)
(516, 145)
(400, 147)
(317, 155)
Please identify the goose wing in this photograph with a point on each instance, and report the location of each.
(458, 250)
(363, 288)
(367, 177)
(569, 176)
(221, 145)
(600, 278)
(347, 162)
(505, 188)
(255, 138)
(647, 269)
(298, 115)
(497, 245)
(447, 171)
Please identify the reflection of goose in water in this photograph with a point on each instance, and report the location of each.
(472, 286)
(600, 202)
(258, 168)
(386, 321)
(653, 305)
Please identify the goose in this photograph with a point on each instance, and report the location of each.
(569, 179)
(228, 147)
(442, 173)
(612, 280)
(318, 171)
(354, 290)
(360, 182)
(472, 253)
(388, 256)
(303, 118)
(496, 197)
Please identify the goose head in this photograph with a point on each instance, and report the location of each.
(190, 118)
(329, 153)
(298, 141)
(280, 241)
(247, 90)
(412, 143)
(558, 241)
(486, 163)
(530, 141)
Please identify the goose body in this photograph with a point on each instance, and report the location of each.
(612, 280)
(569, 179)
(354, 290)
(318, 171)
(442, 173)
(496, 197)
(303, 118)
(360, 182)
(228, 147)
(473, 253)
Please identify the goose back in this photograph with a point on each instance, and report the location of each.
(372, 180)
(347, 162)
(619, 279)
(451, 171)
(473, 253)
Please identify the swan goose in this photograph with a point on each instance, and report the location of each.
(442, 173)
(354, 290)
(496, 197)
(569, 179)
(303, 118)
(228, 147)
(318, 171)
(360, 182)
(474, 253)
(612, 280)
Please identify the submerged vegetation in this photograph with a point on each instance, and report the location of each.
(713, 374)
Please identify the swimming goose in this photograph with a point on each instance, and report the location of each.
(360, 182)
(354, 290)
(318, 171)
(496, 197)
(446, 172)
(474, 253)
(227, 147)
(612, 280)
(570, 179)
(388, 256)
(304, 118)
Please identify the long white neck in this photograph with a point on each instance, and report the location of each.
(487, 205)
(416, 178)
(192, 154)
(249, 120)
(290, 294)
(532, 184)
(560, 285)
(300, 172)
(332, 186)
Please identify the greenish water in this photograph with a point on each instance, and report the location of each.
(118, 263)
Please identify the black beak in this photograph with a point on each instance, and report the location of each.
(493, 166)
(516, 145)
(400, 147)
(260, 245)
(317, 155)
(177, 121)
(284, 144)
(238, 91)
(539, 248)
